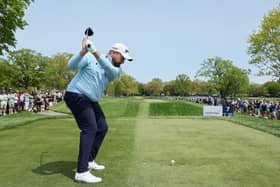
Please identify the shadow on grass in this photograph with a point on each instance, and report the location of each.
(66, 168)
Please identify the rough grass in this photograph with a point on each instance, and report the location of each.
(21, 118)
(266, 125)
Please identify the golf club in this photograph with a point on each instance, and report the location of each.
(89, 32)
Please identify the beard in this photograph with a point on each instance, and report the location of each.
(116, 64)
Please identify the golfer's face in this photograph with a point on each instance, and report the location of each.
(117, 58)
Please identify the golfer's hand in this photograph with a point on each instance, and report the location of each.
(84, 48)
(90, 46)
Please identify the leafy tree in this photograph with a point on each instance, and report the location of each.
(158, 80)
(7, 73)
(126, 85)
(236, 81)
(182, 85)
(110, 90)
(57, 73)
(256, 90)
(154, 87)
(224, 76)
(30, 68)
(129, 85)
(210, 87)
(11, 19)
(200, 87)
(118, 86)
(169, 88)
(265, 45)
(273, 88)
(141, 88)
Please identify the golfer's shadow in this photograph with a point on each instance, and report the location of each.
(66, 168)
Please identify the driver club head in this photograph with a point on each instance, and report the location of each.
(89, 32)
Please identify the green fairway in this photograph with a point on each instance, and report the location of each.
(139, 148)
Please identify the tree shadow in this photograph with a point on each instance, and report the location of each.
(66, 168)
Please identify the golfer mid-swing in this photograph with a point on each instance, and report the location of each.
(95, 72)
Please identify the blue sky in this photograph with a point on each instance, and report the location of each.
(166, 38)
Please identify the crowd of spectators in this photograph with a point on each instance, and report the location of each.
(12, 102)
(263, 108)
(259, 108)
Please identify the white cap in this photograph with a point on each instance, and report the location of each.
(121, 48)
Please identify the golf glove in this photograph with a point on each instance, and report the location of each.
(90, 46)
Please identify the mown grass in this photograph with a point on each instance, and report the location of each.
(120, 107)
(44, 153)
(175, 108)
(206, 153)
(138, 151)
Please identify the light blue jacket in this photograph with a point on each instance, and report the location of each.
(93, 75)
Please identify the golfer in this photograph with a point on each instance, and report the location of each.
(95, 72)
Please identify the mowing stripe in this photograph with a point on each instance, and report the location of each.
(143, 111)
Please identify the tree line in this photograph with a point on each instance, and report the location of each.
(231, 84)
(26, 69)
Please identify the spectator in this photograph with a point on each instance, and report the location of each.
(278, 111)
(30, 104)
(4, 101)
(37, 103)
(263, 109)
(272, 111)
(59, 96)
(26, 99)
(1, 98)
(11, 102)
(18, 102)
(46, 102)
(21, 98)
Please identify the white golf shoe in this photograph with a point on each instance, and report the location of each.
(87, 177)
(95, 166)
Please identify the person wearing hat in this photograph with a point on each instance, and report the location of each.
(95, 72)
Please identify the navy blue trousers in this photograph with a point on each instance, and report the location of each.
(92, 123)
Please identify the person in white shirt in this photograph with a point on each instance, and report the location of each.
(4, 101)
(11, 102)
(26, 99)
